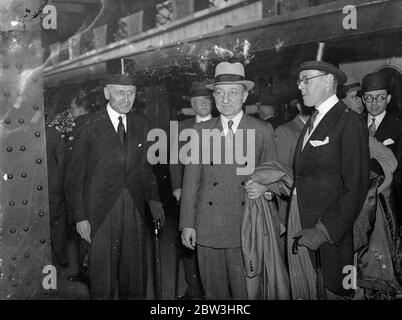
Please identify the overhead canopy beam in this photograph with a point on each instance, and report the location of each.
(321, 23)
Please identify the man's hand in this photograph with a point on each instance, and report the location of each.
(177, 194)
(84, 230)
(188, 237)
(254, 190)
(310, 238)
(157, 212)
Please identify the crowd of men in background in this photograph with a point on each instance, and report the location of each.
(341, 151)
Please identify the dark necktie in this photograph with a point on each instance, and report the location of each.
(312, 119)
(372, 128)
(121, 132)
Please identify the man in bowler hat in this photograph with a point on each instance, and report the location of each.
(331, 173)
(384, 127)
(108, 181)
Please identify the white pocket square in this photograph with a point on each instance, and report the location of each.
(388, 142)
(317, 143)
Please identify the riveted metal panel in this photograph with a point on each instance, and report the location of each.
(24, 216)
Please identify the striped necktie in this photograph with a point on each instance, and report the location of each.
(372, 128)
(312, 119)
(230, 130)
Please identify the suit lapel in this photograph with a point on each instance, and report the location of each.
(385, 129)
(133, 140)
(109, 136)
(330, 119)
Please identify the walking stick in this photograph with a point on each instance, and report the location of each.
(158, 273)
(178, 256)
(321, 293)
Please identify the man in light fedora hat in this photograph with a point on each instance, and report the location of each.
(200, 99)
(214, 194)
(331, 170)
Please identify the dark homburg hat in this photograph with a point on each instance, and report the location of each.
(230, 73)
(374, 81)
(119, 79)
(324, 67)
(198, 89)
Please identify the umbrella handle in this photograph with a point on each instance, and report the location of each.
(295, 244)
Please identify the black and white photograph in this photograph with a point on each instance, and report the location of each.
(187, 153)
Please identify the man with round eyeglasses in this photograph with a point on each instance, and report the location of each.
(383, 126)
(331, 179)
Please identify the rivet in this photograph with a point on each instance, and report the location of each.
(40, 188)
(26, 255)
(22, 148)
(24, 202)
(38, 161)
(9, 149)
(42, 241)
(41, 214)
(24, 175)
(10, 176)
(35, 107)
(11, 203)
(7, 121)
(26, 229)
(21, 121)
(12, 230)
(37, 134)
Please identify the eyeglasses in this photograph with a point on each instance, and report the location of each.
(219, 94)
(370, 99)
(305, 79)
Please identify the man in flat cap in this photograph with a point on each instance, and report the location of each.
(331, 173)
(200, 99)
(384, 127)
(213, 196)
(351, 96)
(108, 181)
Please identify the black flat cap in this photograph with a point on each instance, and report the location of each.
(119, 79)
(325, 67)
(374, 81)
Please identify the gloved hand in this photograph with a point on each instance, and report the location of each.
(310, 238)
(157, 211)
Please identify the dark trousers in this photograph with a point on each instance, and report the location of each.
(191, 273)
(222, 273)
(117, 254)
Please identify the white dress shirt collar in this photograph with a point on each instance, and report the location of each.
(198, 119)
(378, 119)
(236, 121)
(322, 109)
(114, 117)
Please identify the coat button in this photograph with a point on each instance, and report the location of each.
(210, 203)
(215, 184)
